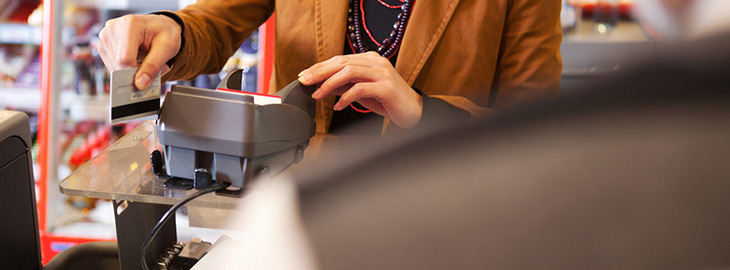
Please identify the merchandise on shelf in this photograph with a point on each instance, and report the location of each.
(18, 61)
(83, 60)
(17, 11)
(589, 6)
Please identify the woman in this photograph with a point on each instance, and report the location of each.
(465, 56)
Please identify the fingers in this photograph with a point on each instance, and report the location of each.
(101, 48)
(133, 35)
(153, 39)
(119, 42)
(164, 46)
(358, 92)
(160, 52)
(104, 49)
(321, 71)
(341, 90)
(403, 107)
(371, 104)
(347, 75)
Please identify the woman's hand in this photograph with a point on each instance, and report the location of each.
(368, 79)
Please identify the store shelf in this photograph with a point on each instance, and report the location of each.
(588, 55)
(29, 99)
(94, 108)
(19, 33)
(20, 99)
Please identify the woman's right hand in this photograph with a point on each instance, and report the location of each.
(150, 39)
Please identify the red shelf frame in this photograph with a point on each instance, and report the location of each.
(266, 54)
(44, 112)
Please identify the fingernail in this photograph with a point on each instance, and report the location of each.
(338, 107)
(300, 73)
(143, 80)
(306, 78)
(315, 94)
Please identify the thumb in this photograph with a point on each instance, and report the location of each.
(160, 52)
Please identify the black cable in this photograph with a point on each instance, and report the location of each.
(167, 215)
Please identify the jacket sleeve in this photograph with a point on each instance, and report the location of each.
(529, 63)
(213, 30)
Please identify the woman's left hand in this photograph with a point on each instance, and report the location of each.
(368, 79)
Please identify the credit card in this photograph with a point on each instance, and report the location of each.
(126, 102)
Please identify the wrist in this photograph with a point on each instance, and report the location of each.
(415, 113)
(180, 26)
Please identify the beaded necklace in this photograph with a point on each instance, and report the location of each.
(356, 23)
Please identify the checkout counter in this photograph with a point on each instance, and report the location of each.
(589, 55)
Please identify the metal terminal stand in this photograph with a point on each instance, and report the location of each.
(134, 221)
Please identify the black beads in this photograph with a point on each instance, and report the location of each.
(355, 27)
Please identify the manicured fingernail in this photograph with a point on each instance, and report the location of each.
(143, 81)
(315, 94)
(300, 73)
(306, 78)
(338, 107)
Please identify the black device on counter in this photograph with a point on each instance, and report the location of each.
(20, 247)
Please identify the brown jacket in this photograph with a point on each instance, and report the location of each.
(477, 55)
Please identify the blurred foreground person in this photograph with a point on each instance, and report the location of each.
(633, 175)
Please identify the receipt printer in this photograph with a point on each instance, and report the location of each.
(231, 137)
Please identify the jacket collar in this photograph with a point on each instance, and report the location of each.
(425, 27)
